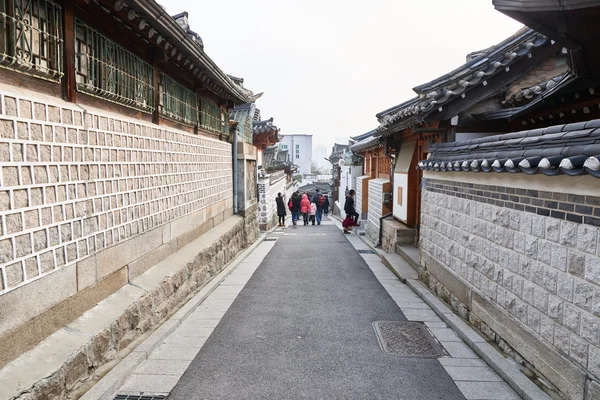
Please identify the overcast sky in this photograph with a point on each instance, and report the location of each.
(328, 66)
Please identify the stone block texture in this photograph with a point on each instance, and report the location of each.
(375, 207)
(267, 208)
(358, 198)
(542, 268)
(76, 182)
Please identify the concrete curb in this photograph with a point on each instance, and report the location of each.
(106, 387)
(522, 385)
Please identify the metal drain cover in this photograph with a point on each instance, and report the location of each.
(270, 239)
(366, 251)
(139, 397)
(407, 339)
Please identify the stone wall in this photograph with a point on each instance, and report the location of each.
(376, 188)
(520, 257)
(92, 343)
(85, 193)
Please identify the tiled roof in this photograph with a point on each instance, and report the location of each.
(264, 126)
(572, 149)
(365, 135)
(534, 95)
(433, 95)
(367, 144)
(531, 92)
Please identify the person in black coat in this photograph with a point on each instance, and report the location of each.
(326, 205)
(295, 207)
(280, 209)
(349, 206)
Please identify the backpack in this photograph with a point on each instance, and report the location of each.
(321, 200)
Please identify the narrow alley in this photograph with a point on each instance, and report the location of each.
(295, 320)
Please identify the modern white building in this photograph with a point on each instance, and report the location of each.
(300, 150)
(319, 153)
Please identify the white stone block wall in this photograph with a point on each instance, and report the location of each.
(267, 209)
(75, 182)
(542, 270)
(375, 208)
(358, 184)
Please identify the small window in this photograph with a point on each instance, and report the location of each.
(31, 37)
(107, 70)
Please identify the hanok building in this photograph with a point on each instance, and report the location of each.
(496, 90)
(115, 151)
(509, 224)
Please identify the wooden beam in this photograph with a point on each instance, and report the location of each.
(70, 84)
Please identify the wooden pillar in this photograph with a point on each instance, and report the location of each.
(156, 94)
(70, 83)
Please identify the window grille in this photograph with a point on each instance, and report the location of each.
(107, 70)
(31, 38)
(177, 102)
(212, 118)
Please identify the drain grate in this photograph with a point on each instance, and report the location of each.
(407, 339)
(366, 251)
(139, 397)
(270, 239)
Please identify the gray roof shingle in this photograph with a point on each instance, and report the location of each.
(572, 149)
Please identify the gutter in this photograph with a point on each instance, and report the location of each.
(160, 19)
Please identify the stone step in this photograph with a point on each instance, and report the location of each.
(398, 265)
(410, 254)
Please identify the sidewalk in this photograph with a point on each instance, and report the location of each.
(295, 320)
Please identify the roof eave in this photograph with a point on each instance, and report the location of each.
(158, 18)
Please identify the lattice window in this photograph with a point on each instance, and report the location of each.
(212, 118)
(177, 102)
(31, 38)
(107, 70)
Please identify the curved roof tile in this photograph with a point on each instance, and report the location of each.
(572, 149)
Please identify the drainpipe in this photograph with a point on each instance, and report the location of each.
(235, 168)
(381, 227)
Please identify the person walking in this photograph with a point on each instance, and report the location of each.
(294, 207)
(319, 200)
(305, 208)
(326, 206)
(349, 209)
(313, 212)
(280, 209)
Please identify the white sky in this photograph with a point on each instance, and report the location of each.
(328, 66)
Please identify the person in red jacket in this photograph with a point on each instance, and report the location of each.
(305, 208)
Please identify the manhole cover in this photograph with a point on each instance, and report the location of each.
(270, 239)
(407, 339)
(366, 251)
(139, 397)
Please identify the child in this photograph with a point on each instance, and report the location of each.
(305, 208)
(313, 212)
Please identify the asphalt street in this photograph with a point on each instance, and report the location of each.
(302, 329)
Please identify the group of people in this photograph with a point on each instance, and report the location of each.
(310, 208)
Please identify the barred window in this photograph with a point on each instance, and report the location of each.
(212, 118)
(31, 37)
(177, 102)
(107, 70)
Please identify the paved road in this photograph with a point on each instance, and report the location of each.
(302, 329)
